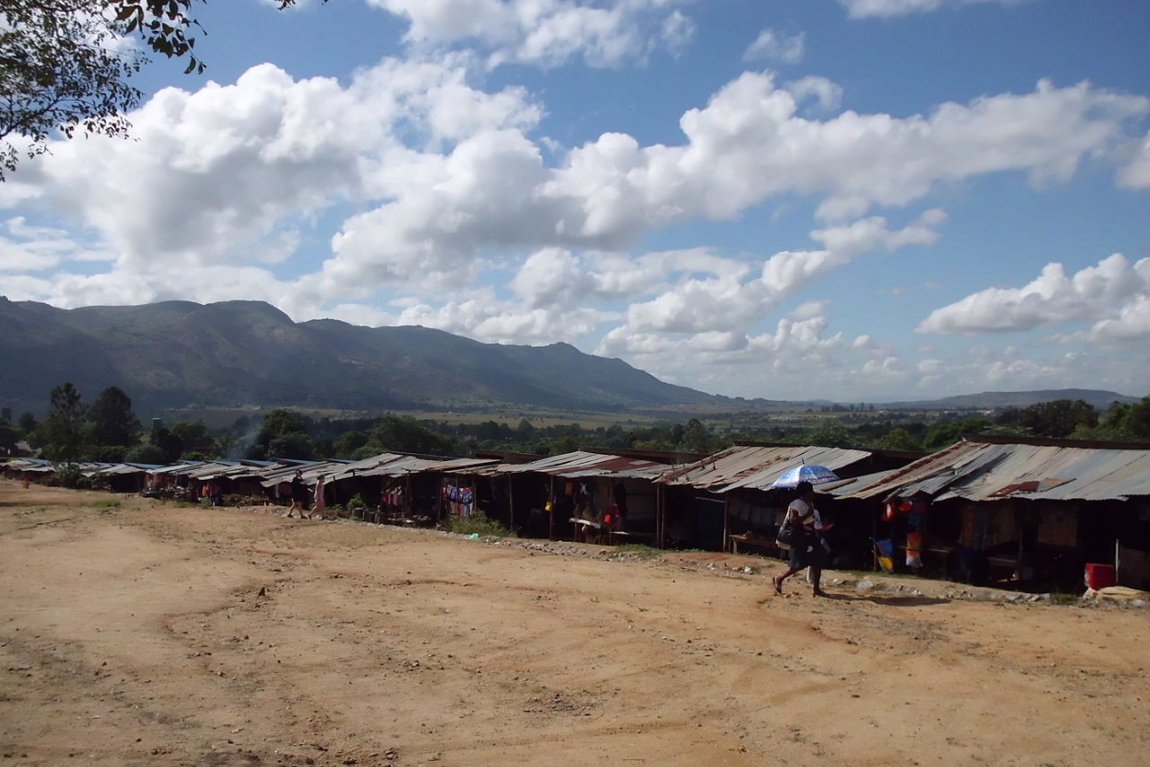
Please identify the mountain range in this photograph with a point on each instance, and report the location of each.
(180, 354)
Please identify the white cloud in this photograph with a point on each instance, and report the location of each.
(1114, 295)
(481, 314)
(749, 144)
(798, 359)
(210, 173)
(432, 182)
(547, 32)
(678, 309)
(772, 45)
(1136, 174)
(440, 177)
(550, 277)
(232, 174)
(732, 298)
(30, 248)
(1132, 322)
(862, 9)
(828, 95)
(985, 368)
(479, 196)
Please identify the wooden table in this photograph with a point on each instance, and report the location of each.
(588, 529)
(760, 545)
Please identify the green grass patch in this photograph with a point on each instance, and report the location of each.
(1062, 598)
(479, 524)
(641, 550)
(108, 503)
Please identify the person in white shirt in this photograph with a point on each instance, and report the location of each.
(811, 551)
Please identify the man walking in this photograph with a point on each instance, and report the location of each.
(299, 496)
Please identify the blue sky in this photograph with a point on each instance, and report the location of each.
(859, 200)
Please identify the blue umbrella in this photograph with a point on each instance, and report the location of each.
(806, 472)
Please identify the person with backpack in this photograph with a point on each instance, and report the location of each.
(808, 547)
(299, 496)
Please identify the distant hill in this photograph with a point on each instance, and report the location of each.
(1000, 400)
(240, 354)
(181, 354)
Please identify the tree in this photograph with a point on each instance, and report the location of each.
(280, 421)
(404, 434)
(62, 433)
(830, 433)
(9, 436)
(27, 423)
(1136, 422)
(348, 443)
(1122, 422)
(295, 444)
(170, 443)
(695, 439)
(947, 433)
(111, 420)
(58, 72)
(195, 436)
(1059, 418)
(898, 439)
(164, 25)
(525, 431)
(147, 453)
(60, 68)
(277, 423)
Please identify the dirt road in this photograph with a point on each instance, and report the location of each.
(134, 632)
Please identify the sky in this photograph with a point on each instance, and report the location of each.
(854, 200)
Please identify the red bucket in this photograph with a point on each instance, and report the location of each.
(1100, 576)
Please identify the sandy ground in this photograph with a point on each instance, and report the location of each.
(136, 632)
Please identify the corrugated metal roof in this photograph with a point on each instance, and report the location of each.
(34, 465)
(745, 466)
(398, 466)
(979, 471)
(272, 477)
(486, 470)
(217, 469)
(124, 468)
(583, 464)
(176, 468)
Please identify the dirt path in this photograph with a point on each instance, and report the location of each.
(133, 632)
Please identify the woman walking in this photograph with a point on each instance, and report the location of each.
(811, 549)
(320, 502)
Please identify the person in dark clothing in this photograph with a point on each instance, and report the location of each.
(299, 496)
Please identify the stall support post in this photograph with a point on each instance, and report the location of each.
(551, 515)
(726, 523)
(660, 514)
(510, 504)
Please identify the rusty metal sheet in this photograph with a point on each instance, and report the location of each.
(753, 467)
(980, 471)
(582, 464)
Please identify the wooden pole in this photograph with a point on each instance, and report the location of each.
(660, 514)
(874, 542)
(726, 521)
(510, 504)
(551, 515)
(1019, 530)
(407, 495)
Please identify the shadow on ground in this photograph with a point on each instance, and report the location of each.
(890, 601)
